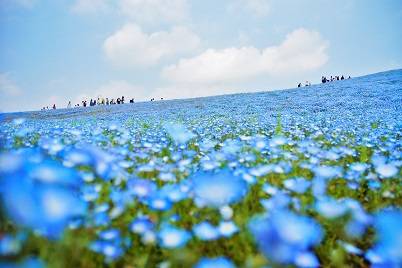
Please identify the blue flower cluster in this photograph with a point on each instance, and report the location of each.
(306, 178)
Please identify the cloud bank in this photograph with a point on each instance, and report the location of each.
(130, 46)
(302, 50)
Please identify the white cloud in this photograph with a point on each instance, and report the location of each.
(90, 6)
(151, 11)
(302, 50)
(130, 46)
(258, 8)
(8, 87)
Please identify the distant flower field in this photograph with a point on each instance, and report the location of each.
(299, 178)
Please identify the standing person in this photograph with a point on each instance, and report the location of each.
(69, 104)
(118, 100)
(122, 99)
(54, 106)
(342, 78)
(107, 101)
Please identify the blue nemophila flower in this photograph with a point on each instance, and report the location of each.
(359, 220)
(159, 202)
(141, 188)
(111, 234)
(101, 207)
(226, 212)
(218, 189)
(277, 141)
(218, 262)
(359, 167)
(101, 219)
(374, 184)
(206, 231)
(172, 237)
(120, 197)
(330, 208)
(262, 170)
(269, 189)
(44, 200)
(167, 176)
(11, 244)
(386, 170)
(306, 260)
(388, 248)
(179, 133)
(19, 121)
(297, 185)
(327, 172)
(110, 250)
(227, 228)
(89, 193)
(77, 157)
(11, 163)
(173, 192)
(102, 162)
(319, 187)
(350, 248)
(50, 171)
(283, 235)
(279, 201)
(141, 225)
(377, 159)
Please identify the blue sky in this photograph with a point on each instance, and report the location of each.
(59, 50)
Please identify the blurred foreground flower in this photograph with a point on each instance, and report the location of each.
(218, 189)
(287, 238)
(219, 262)
(43, 197)
(387, 252)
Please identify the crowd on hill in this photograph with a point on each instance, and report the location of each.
(98, 101)
(324, 79)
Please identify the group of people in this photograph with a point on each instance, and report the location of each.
(94, 102)
(324, 79)
(100, 101)
(306, 84)
(47, 107)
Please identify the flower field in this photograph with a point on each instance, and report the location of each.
(295, 178)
